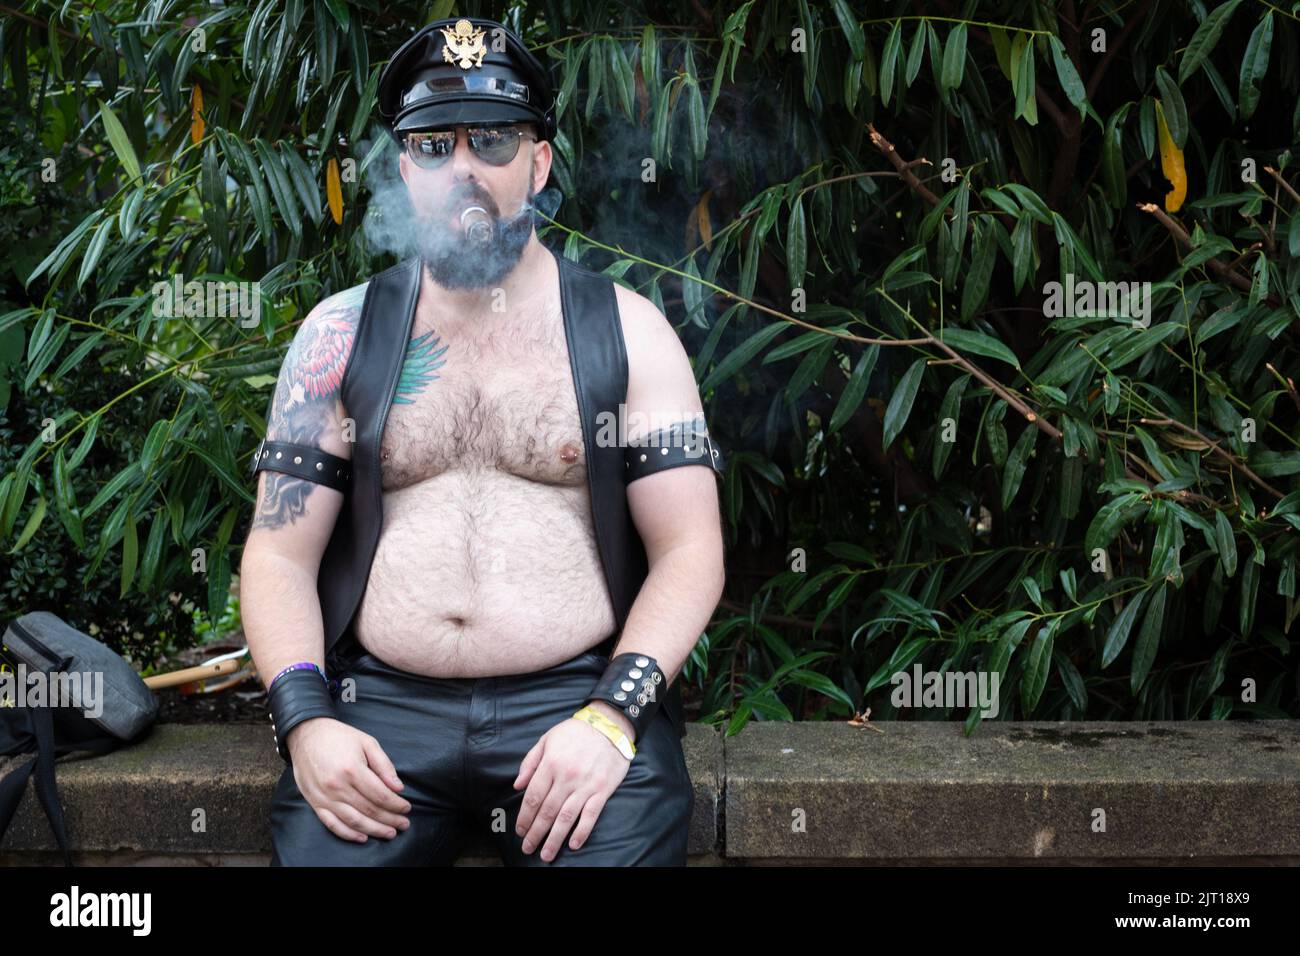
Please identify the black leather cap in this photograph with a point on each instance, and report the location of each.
(451, 72)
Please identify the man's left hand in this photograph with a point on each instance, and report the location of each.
(570, 773)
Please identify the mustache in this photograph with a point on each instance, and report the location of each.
(464, 198)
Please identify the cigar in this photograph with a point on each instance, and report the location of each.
(477, 224)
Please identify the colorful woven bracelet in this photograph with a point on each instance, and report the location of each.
(300, 666)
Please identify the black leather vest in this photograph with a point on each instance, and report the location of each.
(598, 360)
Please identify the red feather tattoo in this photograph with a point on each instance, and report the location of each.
(322, 353)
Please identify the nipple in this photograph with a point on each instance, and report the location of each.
(568, 453)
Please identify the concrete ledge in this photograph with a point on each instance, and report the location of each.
(145, 799)
(913, 793)
(1014, 791)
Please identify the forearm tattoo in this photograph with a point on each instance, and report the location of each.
(305, 393)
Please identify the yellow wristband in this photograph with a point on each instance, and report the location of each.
(613, 731)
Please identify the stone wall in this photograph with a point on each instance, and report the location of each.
(898, 793)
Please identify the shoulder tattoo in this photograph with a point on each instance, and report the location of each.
(305, 393)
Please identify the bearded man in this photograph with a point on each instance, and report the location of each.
(469, 591)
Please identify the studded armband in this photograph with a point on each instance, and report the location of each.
(685, 443)
(303, 461)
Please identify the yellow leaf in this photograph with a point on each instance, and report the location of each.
(1171, 161)
(196, 114)
(334, 191)
(702, 218)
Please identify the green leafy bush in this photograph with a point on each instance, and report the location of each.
(854, 214)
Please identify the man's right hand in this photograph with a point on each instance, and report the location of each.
(348, 779)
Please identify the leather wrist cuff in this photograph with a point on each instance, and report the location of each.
(635, 685)
(294, 697)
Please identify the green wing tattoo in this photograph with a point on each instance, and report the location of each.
(422, 357)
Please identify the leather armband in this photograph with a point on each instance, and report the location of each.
(681, 444)
(635, 685)
(303, 461)
(294, 697)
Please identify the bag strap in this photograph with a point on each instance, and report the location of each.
(14, 784)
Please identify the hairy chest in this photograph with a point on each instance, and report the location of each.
(498, 397)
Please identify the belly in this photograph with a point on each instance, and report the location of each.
(479, 572)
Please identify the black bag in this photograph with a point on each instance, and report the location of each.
(45, 644)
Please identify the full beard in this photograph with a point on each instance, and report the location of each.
(456, 263)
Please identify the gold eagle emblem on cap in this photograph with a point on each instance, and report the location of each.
(464, 44)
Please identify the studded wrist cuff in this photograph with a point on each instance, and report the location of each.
(635, 685)
(294, 697)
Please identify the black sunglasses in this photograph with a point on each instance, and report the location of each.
(496, 145)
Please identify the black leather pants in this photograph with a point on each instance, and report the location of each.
(458, 743)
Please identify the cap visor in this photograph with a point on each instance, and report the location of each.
(436, 115)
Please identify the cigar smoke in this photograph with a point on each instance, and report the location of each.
(460, 234)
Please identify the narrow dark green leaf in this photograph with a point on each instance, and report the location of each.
(1037, 668)
(980, 344)
(900, 403)
(1117, 635)
(76, 355)
(1254, 65)
(797, 244)
(66, 502)
(954, 58)
(889, 61)
(949, 410)
(741, 355)
(1017, 461)
(1110, 517)
(1022, 250)
(339, 11)
(153, 444)
(86, 443)
(40, 334)
(213, 182)
(1071, 486)
(33, 522)
(975, 288)
(903, 655)
(130, 554)
(153, 550)
(1175, 110)
(852, 29)
(281, 191)
(55, 260)
(1067, 75)
(1204, 39)
(119, 140)
(856, 388)
(914, 56)
(47, 355)
(1148, 640)
(1226, 542)
(621, 75)
(93, 251)
(365, 106)
(1249, 594)
(1112, 164)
